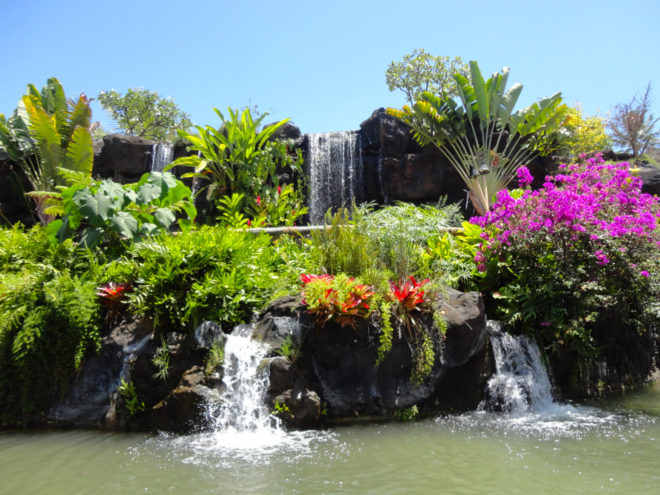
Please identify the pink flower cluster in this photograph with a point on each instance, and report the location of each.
(590, 200)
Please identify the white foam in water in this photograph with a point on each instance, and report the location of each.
(521, 383)
(244, 427)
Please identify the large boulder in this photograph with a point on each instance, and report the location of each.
(397, 168)
(172, 400)
(337, 364)
(123, 158)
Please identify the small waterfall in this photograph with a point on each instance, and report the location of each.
(242, 419)
(521, 383)
(335, 168)
(161, 156)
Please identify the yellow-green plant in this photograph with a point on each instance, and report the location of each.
(60, 129)
(582, 133)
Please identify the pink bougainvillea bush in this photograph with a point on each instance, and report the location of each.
(583, 248)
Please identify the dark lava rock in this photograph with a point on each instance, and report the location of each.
(123, 158)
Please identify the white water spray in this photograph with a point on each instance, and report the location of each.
(335, 168)
(161, 156)
(521, 383)
(242, 420)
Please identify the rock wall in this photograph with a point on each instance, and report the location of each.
(335, 369)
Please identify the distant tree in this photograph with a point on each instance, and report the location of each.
(581, 133)
(632, 126)
(420, 71)
(143, 113)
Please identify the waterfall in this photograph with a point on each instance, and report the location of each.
(521, 383)
(335, 170)
(161, 156)
(242, 418)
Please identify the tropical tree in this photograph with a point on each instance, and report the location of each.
(143, 113)
(633, 126)
(420, 71)
(484, 140)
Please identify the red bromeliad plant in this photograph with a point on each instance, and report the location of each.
(112, 294)
(339, 298)
(408, 294)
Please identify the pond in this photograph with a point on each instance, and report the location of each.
(607, 447)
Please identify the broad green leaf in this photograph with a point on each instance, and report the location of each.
(97, 208)
(80, 152)
(164, 216)
(124, 223)
(90, 237)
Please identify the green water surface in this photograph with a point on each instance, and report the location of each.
(610, 447)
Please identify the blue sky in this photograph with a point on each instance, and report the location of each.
(323, 63)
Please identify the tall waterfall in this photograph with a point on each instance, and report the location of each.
(521, 383)
(335, 168)
(161, 156)
(242, 418)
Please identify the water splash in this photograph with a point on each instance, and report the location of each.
(244, 429)
(521, 383)
(161, 156)
(335, 168)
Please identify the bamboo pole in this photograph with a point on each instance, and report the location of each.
(306, 229)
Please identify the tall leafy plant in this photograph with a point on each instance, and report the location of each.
(231, 157)
(482, 137)
(60, 130)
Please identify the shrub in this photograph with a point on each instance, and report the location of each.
(211, 273)
(341, 298)
(582, 249)
(106, 211)
(48, 325)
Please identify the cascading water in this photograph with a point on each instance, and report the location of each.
(243, 427)
(521, 383)
(243, 407)
(335, 168)
(161, 156)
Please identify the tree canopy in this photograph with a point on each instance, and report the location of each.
(420, 71)
(143, 113)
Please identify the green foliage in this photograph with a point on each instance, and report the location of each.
(451, 257)
(133, 404)
(161, 360)
(239, 157)
(209, 274)
(389, 243)
(215, 359)
(484, 140)
(59, 130)
(16, 144)
(581, 134)
(48, 321)
(290, 348)
(282, 410)
(99, 211)
(420, 71)
(141, 112)
(406, 415)
(386, 331)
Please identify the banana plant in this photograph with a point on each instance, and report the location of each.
(59, 129)
(482, 137)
